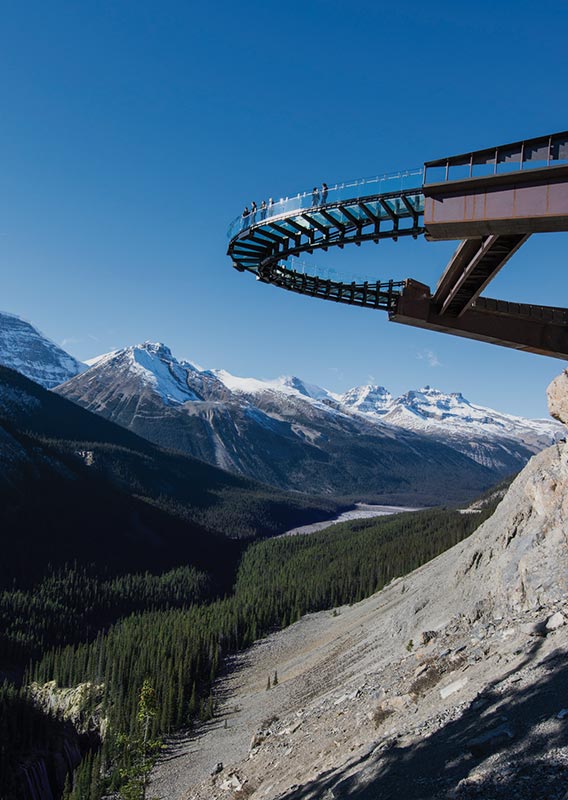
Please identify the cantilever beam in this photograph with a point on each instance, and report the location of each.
(532, 328)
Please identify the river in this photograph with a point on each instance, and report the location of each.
(361, 511)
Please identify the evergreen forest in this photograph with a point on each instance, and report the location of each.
(164, 636)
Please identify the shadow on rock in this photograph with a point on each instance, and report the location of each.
(510, 743)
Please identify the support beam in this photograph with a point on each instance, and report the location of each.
(385, 206)
(472, 268)
(303, 229)
(332, 221)
(351, 217)
(282, 231)
(367, 211)
(316, 224)
(531, 332)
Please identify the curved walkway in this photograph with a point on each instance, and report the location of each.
(367, 209)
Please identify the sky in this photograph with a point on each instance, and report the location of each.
(132, 132)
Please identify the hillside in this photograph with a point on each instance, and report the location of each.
(449, 683)
(76, 487)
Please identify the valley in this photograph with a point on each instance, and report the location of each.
(144, 548)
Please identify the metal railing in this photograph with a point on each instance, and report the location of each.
(546, 151)
(356, 189)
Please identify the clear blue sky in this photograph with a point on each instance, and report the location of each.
(131, 133)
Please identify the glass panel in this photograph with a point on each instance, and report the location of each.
(483, 169)
(559, 151)
(507, 155)
(536, 154)
(458, 171)
(508, 159)
(435, 174)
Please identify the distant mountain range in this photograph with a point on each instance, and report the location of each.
(423, 447)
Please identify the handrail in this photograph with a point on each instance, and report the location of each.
(339, 192)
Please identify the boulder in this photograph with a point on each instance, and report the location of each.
(557, 394)
(555, 621)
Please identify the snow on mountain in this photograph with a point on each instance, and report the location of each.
(374, 400)
(25, 349)
(153, 364)
(430, 409)
(489, 437)
(426, 411)
(283, 430)
(287, 384)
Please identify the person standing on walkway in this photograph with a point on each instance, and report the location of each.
(252, 213)
(315, 196)
(245, 217)
(324, 191)
(263, 209)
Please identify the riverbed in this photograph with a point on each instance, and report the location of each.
(361, 511)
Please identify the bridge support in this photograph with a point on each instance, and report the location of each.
(535, 329)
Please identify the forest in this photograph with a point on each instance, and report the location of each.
(166, 635)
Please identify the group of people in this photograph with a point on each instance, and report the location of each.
(249, 215)
(317, 199)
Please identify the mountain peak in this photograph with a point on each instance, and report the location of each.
(25, 349)
(155, 348)
(152, 365)
(369, 398)
(303, 388)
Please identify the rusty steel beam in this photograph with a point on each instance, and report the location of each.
(532, 332)
(531, 201)
(471, 269)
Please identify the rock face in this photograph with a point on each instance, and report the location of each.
(80, 705)
(80, 727)
(360, 713)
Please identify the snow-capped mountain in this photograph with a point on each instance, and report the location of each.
(374, 400)
(424, 445)
(25, 349)
(488, 436)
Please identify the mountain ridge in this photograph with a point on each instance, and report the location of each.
(296, 435)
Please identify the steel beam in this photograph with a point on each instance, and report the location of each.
(471, 269)
(533, 332)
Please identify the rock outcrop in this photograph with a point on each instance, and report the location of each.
(78, 711)
(557, 394)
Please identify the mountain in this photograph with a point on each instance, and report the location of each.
(448, 683)
(25, 349)
(496, 440)
(75, 487)
(285, 432)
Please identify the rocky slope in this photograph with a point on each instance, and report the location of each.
(25, 349)
(450, 683)
(425, 447)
